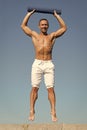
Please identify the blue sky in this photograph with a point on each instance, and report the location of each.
(69, 56)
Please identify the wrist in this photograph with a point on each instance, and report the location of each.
(28, 14)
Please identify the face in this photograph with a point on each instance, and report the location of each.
(43, 26)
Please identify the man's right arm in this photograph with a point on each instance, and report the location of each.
(24, 26)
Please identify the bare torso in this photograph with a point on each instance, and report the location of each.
(43, 47)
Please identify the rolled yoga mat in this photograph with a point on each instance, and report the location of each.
(47, 11)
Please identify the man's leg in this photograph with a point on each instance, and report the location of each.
(52, 99)
(36, 75)
(33, 97)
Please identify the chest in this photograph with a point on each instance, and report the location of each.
(43, 41)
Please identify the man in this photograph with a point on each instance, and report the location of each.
(43, 44)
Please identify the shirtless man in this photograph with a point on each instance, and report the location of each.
(43, 44)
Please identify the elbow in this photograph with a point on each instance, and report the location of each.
(65, 28)
(22, 26)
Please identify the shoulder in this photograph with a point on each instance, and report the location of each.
(52, 35)
(34, 34)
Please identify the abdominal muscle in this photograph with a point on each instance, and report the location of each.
(43, 57)
(43, 53)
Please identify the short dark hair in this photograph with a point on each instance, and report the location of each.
(42, 20)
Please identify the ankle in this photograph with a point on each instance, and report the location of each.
(32, 111)
(53, 112)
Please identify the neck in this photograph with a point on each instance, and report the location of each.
(41, 33)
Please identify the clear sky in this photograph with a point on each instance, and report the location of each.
(69, 57)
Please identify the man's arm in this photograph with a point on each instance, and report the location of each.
(24, 26)
(62, 24)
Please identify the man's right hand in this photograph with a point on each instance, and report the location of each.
(24, 26)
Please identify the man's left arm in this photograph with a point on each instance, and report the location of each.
(62, 28)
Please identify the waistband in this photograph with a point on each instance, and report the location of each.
(45, 61)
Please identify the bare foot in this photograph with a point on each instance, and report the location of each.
(32, 115)
(54, 117)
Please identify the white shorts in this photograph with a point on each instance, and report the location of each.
(39, 68)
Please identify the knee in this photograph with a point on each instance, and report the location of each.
(50, 92)
(34, 91)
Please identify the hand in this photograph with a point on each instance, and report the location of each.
(55, 13)
(31, 12)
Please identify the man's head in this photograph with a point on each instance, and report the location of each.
(43, 25)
